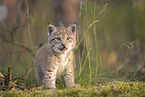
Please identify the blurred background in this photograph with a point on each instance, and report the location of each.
(111, 35)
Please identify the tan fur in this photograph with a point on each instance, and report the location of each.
(56, 57)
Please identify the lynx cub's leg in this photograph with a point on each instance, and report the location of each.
(69, 77)
(50, 78)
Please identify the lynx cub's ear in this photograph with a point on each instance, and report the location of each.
(50, 29)
(72, 28)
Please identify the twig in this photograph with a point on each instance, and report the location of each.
(23, 76)
(26, 76)
(13, 31)
(8, 78)
(17, 44)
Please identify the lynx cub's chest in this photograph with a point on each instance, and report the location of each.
(56, 57)
(62, 64)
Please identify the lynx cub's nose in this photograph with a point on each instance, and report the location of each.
(63, 47)
(63, 44)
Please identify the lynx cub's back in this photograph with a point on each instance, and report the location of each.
(56, 57)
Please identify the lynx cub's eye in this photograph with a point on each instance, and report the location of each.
(57, 38)
(68, 38)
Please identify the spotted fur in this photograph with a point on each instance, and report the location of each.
(56, 57)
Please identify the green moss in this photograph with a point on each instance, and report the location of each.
(123, 89)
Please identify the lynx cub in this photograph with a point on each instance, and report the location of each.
(56, 57)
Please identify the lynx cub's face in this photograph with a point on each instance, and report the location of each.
(61, 39)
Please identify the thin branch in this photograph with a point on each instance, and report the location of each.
(20, 45)
(24, 76)
(27, 74)
(16, 44)
(13, 31)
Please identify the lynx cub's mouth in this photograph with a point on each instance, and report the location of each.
(63, 48)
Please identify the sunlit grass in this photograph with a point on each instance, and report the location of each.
(88, 67)
(125, 89)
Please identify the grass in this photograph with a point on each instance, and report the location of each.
(121, 89)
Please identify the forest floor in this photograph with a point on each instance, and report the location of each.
(114, 89)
